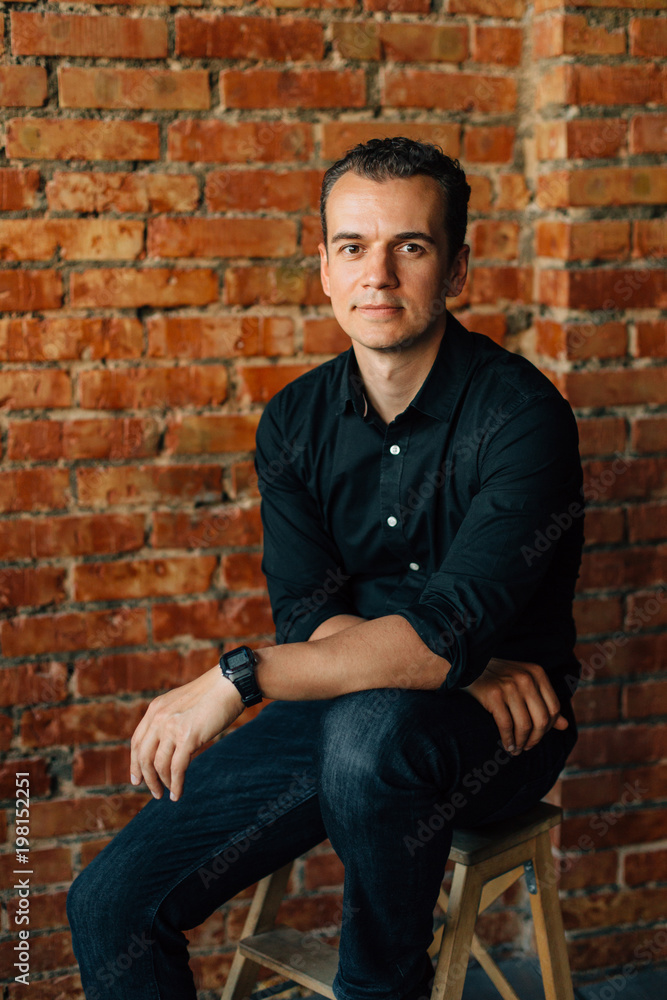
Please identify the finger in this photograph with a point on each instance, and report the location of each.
(162, 761)
(522, 719)
(503, 720)
(179, 763)
(561, 722)
(146, 764)
(136, 744)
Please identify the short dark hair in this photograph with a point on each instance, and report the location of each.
(381, 159)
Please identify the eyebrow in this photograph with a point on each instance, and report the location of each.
(410, 235)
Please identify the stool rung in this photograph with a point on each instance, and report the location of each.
(301, 957)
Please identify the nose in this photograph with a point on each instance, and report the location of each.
(379, 269)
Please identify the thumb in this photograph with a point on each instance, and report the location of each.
(561, 723)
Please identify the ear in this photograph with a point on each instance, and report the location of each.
(324, 268)
(458, 272)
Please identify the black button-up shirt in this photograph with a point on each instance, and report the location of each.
(464, 515)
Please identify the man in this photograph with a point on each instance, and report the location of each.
(405, 486)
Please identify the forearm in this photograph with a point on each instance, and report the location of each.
(382, 653)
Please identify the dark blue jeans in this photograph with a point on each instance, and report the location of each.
(385, 774)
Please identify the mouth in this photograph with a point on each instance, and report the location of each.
(379, 310)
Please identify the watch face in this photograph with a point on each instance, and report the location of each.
(237, 659)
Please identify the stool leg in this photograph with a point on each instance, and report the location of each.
(548, 921)
(261, 917)
(460, 922)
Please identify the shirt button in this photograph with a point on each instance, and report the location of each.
(394, 449)
(391, 521)
(414, 565)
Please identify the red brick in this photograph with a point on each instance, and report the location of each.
(24, 291)
(311, 235)
(604, 525)
(82, 139)
(21, 390)
(640, 567)
(126, 579)
(47, 440)
(260, 382)
(194, 385)
(601, 435)
(649, 434)
(357, 39)
(275, 286)
(451, 91)
(86, 534)
(575, 341)
(210, 528)
(156, 286)
(619, 787)
(498, 284)
(643, 700)
(652, 338)
(47, 910)
(34, 489)
(211, 434)
(54, 864)
(607, 909)
(492, 325)
(650, 238)
(645, 479)
(30, 636)
(338, 137)
(73, 35)
(494, 239)
(100, 767)
(489, 144)
(422, 42)
(243, 483)
(648, 37)
(146, 484)
(118, 673)
(79, 87)
(22, 86)
(603, 186)
(648, 866)
(172, 336)
(581, 871)
(594, 614)
(647, 608)
(513, 193)
(89, 814)
(234, 616)
(324, 336)
(620, 387)
(258, 190)
(407, 6)
(71, 725)
(228, 237)
(31, 587)
(612, 950)
(122, 192)
(496, 45)
(47, 951)
(31, 682)
(298, 88)
(488, 8)
(646, 522)
(604, 85)
(242, 571)
(580, 139)
(571, 34)
(648, 133)
(77, 239)
(18, 189)
(596, 703)
(208, 36)
(241, 142)
(619, 744)
(75, 337)
(323, 870)
(637, 288)
(582, 240)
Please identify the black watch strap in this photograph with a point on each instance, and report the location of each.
(238, 665)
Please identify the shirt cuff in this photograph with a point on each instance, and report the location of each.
(444, 640)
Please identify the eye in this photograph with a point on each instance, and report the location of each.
(415, 246)
(350, 246)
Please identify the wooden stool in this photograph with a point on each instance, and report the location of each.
(487, 861)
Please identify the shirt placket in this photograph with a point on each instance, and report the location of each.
(394, 457)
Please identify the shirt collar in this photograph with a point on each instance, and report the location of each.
(441, 387)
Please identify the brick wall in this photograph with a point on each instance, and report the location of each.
(159, 281)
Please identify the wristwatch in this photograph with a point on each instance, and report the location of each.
(239, 667)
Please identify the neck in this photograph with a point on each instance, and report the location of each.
(393, 378)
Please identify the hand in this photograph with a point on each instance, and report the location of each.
(176, 724)
(522, 701)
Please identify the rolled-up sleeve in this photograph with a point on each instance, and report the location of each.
(530, 499)
(303, 567)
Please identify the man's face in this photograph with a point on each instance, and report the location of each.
(388, 259)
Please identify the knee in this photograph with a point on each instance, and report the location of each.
(366, 742)
(95, 899)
